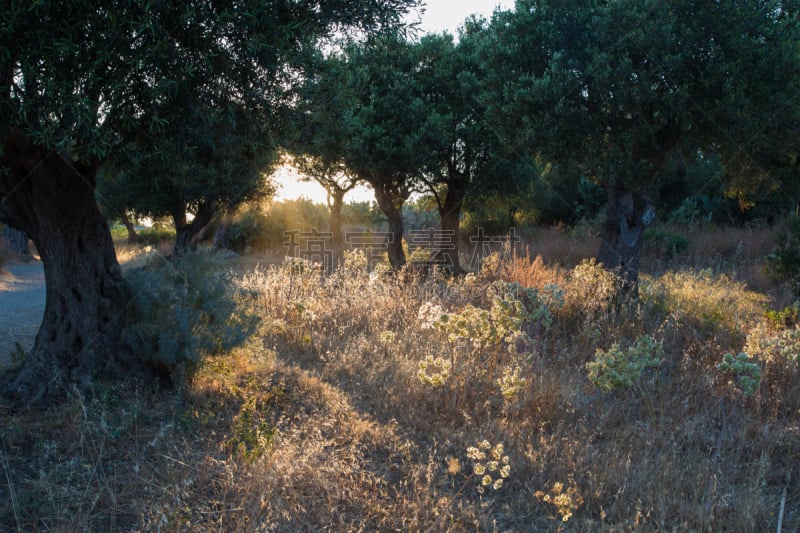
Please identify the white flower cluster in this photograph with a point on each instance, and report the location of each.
(511, 383)
(774, 347)
(430, 315)
(489, 464)
(434, 371)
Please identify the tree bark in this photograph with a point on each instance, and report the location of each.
(450, 216)
(133, 238)
(188, 235)
(627, 216)
(51, 198)
(335, 203)
(392, 206)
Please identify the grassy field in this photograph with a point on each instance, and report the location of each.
(527, 397)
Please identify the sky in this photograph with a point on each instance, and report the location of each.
(440, 15)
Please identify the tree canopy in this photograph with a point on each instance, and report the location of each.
(623, 88)
(81, 81)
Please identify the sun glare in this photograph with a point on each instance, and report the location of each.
(292, 185)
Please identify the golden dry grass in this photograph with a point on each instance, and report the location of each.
(322, 423)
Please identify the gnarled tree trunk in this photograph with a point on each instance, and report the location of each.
(335, 204)
(450, 215)
(51, 198)
(133, 238)
(188, 235)
(392, 206)
(627, 216)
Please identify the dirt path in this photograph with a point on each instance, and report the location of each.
(22, 298)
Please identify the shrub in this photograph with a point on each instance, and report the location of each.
(664, 243)
(774, 347)
(156, 235)
(741, 368)
(253, 230)
(783, 264)
(184, 308)
(592, 292)
(617, 368)
(566, 502)
(710, 303)
(787, 317)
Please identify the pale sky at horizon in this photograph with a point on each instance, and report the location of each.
(448, 15)
(440, 15)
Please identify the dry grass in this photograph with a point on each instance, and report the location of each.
(324, 424)
(565, 246)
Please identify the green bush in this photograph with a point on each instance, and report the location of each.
(664, 243)
(185, 308)
(783, 264)
(252, 230)
(617, 368)
(743, 370)
(155, 235)
(363, 214)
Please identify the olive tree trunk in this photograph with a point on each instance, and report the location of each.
(450, 216)
(628, 215)
(188, 235)
(133, 238)
(392, 206)
(51, 198)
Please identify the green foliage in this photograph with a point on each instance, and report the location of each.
(156, 235)
(185, 308)
(420, 214)
(252, 434)
(301, 214)
(363, 214)
(254, 230)
(617, 368)
(742, 368)
(664, 243)
(624, 90)
(689, 213)
(785, 318)
(784, 263)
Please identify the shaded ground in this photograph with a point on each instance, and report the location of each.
(22, 299)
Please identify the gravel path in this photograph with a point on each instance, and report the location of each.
(22, 298)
